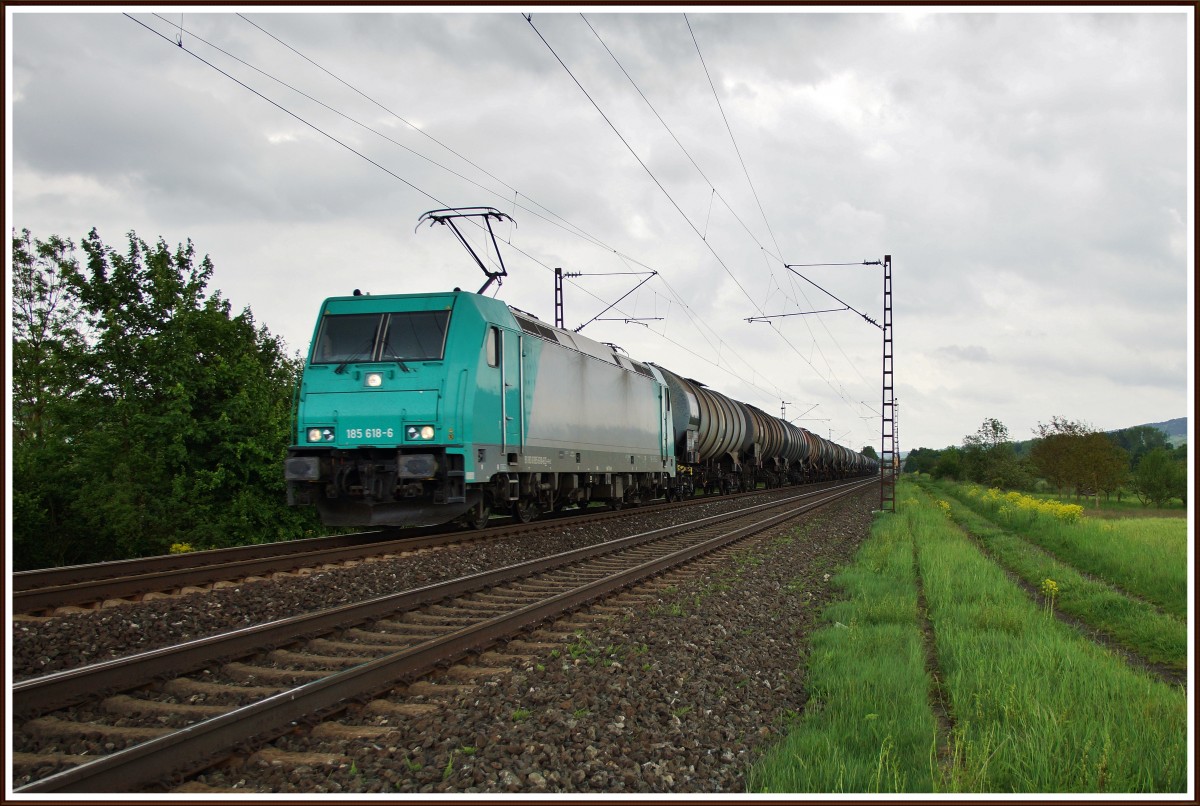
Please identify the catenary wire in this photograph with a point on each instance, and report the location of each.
(678, 298)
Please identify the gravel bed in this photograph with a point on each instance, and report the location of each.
(680, 695)
(47, 645)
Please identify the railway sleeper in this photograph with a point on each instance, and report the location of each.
(187, 687)
(275, 757)
(307, 660)
(382, 637)
(52, 727)
(339, 732)
(257, 674)
(123, 704)
(425, 688)
(354, 647)
(388, 708)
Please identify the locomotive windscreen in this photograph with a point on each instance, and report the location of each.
(408, 336)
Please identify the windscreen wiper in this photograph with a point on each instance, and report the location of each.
(355, 356)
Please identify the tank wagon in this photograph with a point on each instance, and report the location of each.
(419, 409)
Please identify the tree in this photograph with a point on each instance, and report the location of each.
(869, 452)
(177, 425)
(921, 460)
(1139, 441)
(1103, 467)
(949, 465)
(988, 458)
(46, 338)
(1156, 479)
(1054, 452)
(47, 351)
(1073, 455)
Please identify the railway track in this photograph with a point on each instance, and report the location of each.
(232, 690)
(45, 591)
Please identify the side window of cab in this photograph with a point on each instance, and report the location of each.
(492, 347)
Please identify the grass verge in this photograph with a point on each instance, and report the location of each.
(1035, 707)
(867, 726)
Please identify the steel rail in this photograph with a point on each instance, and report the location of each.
(45, 589)
(113, 569)
(193, 747)
(39, 695)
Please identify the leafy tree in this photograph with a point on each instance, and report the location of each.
(1138, 441)
(47, 351)
(1157, 478)
(869, 452)
(1054, 451)
(1073, 455)
(176, 426)
(988, 457)
(47, 342)
(1181, 472)
(1103, 467)
(949, 465)
(921, 460)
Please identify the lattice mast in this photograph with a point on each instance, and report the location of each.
(889, 457)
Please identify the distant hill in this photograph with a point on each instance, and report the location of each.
(1176, 430)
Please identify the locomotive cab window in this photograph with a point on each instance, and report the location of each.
(346, 338)
(408, 336)
(414, 336)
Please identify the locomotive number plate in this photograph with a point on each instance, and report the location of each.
(369, 433)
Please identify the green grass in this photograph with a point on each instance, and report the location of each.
(1036, 708)
(1146, 557)
(867, 726)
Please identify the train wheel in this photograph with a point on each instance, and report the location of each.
(477, 516)
(524, 511)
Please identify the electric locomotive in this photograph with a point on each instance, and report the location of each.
(418, 409)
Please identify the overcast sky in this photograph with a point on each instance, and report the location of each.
(1029, 174)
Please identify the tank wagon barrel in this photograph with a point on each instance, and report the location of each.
(721, 424)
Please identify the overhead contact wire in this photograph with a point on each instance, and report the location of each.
(289, 112)
(529, 19)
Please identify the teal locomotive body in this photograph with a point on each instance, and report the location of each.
(418, 409)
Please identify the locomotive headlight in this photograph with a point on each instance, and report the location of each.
(419, 432)
(374, 379)
(320, 435)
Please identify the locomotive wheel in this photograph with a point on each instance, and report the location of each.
(477, 516)
(524, 511)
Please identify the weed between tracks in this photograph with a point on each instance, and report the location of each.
(1034, 706)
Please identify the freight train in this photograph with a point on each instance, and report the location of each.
(419, 409)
